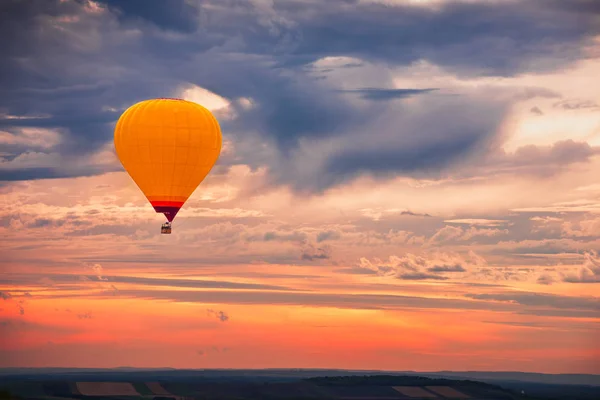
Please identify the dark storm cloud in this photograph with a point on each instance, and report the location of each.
(498, 38)
(51, 173)
(387, 94)
(427, 158)
(591, 7)
(82, 68)
(177, 15)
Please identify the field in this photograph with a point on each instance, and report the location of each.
(200, 385)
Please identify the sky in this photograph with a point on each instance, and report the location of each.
(403, 185)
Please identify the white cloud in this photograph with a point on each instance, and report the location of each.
(31, 137)
(218, 105)
(589, 272)
(477, 221)
(457, 233)
(421, 267)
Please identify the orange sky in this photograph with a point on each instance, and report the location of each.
(492, 264)
(88, 281)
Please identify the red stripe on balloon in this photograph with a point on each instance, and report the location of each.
(169, 208)
(159, 203)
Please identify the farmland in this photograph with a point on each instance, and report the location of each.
(204, 385)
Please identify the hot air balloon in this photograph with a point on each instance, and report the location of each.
(168, 146)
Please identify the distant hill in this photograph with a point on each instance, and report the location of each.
(292, 373)
(384, 387)
(564, 379)
(170, 384)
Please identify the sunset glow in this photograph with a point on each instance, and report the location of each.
(385, 198)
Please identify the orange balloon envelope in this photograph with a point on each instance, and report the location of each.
(167, 146)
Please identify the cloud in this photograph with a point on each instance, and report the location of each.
(430, 266)
(544, 300)
(572, 104)
(220, 315)
(85, 315)
(411, 143)
(587, 227)
(546, 279)
(447, 268)
(59, 280)
(477, 221)
(546, 159)
(299, 237)
(341, 143)
(577, 206)
(15, 326)
(536, 304)
(387, 94)
(29, 139)
(522, 25)
(543, 247)
(536, 111)
(212, 350)
(177, 15)
(18, 303)
(98, 270)
(259, 59)
(377, 238)
(328, 235)
(417, 276)
(378, 213)
(558, 325)
(589, 272)
(451, 233)
(310, 252)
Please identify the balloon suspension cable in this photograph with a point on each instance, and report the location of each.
(185, 221)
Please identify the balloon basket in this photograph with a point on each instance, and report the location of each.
(165, 229)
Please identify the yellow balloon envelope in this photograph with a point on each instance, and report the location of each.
(167, 146)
